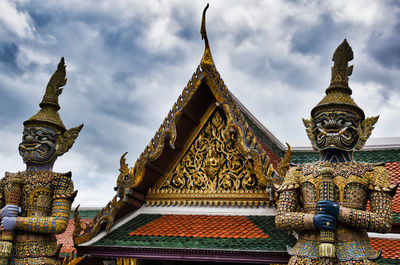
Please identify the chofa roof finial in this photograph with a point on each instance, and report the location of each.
(207, 60)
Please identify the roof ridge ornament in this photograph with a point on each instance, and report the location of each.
(206, 61)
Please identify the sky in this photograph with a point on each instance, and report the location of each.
(128, 61)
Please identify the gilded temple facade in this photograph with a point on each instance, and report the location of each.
(206, 187)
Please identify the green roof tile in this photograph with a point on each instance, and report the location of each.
(84, 214)
(263, 137)
(383, 261)
(396, 218)
(361, 156)
(277, 240)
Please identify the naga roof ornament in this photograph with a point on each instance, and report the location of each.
(338, 94)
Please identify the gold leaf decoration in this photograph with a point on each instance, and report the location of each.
(212, 171)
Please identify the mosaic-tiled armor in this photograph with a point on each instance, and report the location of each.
(326, 202)
(46, 200)
(36, 203)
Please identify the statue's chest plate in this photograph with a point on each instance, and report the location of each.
(37, 193)
(350, 180)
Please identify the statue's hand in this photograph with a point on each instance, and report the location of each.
(328, 207)
(10, 211)
(324, 222)
(8, 223)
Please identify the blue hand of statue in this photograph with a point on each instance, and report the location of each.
(10, 211)
(324, 222)
(328, 207)
(8, 223)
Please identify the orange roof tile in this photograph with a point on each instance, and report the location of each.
(390, 247)
(394, 172)
(66, 238)
(201, 226)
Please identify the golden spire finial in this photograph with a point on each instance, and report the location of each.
(207, 60)
(55, 86)
(48, 113)
(338, 94)
(340, 69)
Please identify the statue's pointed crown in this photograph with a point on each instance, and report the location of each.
(48, 115)
(338, 94)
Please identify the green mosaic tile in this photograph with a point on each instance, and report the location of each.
(383, 261)
(304, 157)
(84, 214)
(263, 137)
(277, 241)
(396, 218)
(361, 156)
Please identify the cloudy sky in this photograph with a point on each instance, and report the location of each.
(128, 61)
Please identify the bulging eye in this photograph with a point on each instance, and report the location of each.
(322, 123)
(341, 122)
(41, 138)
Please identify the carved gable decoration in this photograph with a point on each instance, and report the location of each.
(211, 171)
(204, 153)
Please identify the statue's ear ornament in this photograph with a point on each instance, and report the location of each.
(365, 129)
(309, 126)
(67, 139)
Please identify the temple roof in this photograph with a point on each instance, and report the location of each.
(245, 238)
(205, 101)
(136, 222)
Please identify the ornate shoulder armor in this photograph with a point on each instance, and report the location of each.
(380, 181)
(63, 186)
(292, 179)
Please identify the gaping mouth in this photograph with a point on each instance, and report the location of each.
(334, 133)
(343, 137)
(29, 147)
(34, 151)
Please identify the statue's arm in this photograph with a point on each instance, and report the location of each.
(2, 200)
(287, 216)
(57, 222)
(379, 219)
(54, 224)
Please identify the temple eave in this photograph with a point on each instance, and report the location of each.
(205, 255)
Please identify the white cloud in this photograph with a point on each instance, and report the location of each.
(17, 22)
(128, 61)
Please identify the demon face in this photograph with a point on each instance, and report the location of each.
(38, 145)
(336, 129)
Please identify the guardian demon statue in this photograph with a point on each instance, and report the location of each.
(325, 201)
(36, 203)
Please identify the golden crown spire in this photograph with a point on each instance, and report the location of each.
(340, 69)
(338, 93)
(48, 113)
